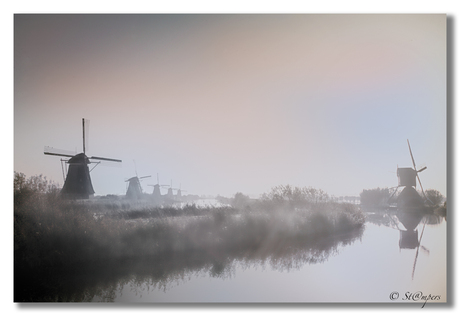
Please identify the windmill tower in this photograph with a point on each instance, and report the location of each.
(156, 195)
(134, 191)
(407, 178)
(170, 195)
(179, 193)
(78, 184)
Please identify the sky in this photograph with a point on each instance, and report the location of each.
(227, 103)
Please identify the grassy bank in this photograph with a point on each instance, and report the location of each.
(56, 237)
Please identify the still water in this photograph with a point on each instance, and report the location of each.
(395, 256)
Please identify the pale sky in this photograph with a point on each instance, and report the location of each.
(221, 104)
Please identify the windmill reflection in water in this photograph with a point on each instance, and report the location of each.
(407, 222)
(411, 210)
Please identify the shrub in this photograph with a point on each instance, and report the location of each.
(290, 197)
(434, 196)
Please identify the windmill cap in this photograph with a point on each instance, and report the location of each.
(79, 159)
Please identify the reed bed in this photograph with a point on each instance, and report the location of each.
(54, 236)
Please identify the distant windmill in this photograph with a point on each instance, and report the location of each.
(134, 191)
(156, 190)
(407, 178)
(179, 192)
(170, 194)
(78, 184)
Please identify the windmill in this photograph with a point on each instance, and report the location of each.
(179, 192)
(407, 178)
(134, 191)
(78, 184)
(170, 194)
(157, 197)
(168, 198)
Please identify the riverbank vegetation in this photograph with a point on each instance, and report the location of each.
(54, 237)
(381, 198)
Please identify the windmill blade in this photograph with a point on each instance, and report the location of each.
(55, 154)
(396, 190)
(87, 125)
(422, 169)
(106, 159)
(135, 167)
(420, 182)
(85, 129)
(413, 161)
(415, 263)
(58, 152)
(180, 190)
(144, 177)
(423, 192)
(158, 181)
(426, 250)
(418, 248)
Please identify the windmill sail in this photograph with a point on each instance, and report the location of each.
(58, 152)
(417, 172)
(106, 159)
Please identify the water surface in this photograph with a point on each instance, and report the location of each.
(368, 267)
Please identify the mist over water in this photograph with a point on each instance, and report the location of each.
(366, 268)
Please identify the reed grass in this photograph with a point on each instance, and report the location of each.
(51, 234)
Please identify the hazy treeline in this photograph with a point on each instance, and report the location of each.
(382, 197)
(56, 240)
(375, 197)
(284, 197)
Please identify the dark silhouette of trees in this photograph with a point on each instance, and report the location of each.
(240, 201)
(295, 197)
(434, 196)
(375, 197)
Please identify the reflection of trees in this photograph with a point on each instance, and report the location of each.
(380, 218)
(432, 219)
(162, 273)
(408, 218)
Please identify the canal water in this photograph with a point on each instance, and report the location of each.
(397, 258)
